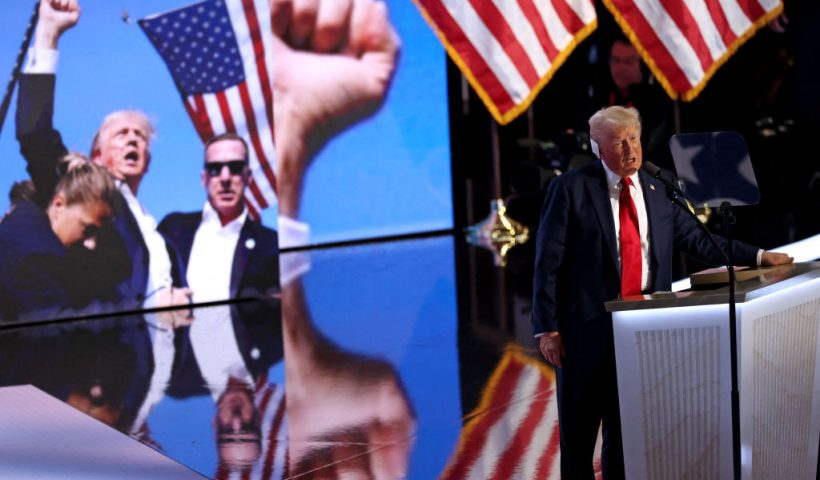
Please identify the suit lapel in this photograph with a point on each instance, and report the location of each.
(599, 197)
(244, 248)
(653, 195)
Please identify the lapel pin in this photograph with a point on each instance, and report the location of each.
(651, 187)
(250, 243)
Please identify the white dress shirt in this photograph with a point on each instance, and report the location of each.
(614, 183)
(159, 263)
(217, 353)
(211, 260)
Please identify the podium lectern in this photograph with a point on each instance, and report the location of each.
(674, 379)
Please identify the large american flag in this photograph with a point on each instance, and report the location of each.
(513, 433)
(684, 43)
(219, 54)
(508, 50)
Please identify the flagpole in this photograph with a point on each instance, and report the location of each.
(15, 72)
(496, 150)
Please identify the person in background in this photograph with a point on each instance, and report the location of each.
(18, 193)
(607, 230)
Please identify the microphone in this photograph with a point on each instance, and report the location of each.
(672, 184)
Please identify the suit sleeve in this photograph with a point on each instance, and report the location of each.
(178, 264)
(549, 253)
(690, 238)
(41, 145)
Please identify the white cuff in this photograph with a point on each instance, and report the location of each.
(41, 60)
(292, 265)
(292, 233)
(759, 256)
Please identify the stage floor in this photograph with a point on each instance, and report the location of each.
(404, 359)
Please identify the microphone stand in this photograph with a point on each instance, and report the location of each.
(728, 220)
(676, 196)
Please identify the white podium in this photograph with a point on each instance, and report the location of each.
(674, 379)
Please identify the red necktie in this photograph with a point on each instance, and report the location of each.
(630, 242)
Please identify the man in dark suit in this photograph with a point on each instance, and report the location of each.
(224, 253)
(607, 230)
(132, 254)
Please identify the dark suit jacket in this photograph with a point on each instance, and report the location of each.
(255, 271)
(121, 252)
(40, 279)
(576, 267)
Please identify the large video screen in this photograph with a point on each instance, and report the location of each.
(344, 138)
(383, 173)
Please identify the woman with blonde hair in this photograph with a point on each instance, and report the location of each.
(38, 278)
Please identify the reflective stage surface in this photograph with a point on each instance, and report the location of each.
(408, 359)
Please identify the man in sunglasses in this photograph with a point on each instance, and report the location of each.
(224, 252)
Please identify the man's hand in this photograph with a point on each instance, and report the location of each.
(334, 61)
(771, 259)
(552, 348)
(55, 17)
(174, 297)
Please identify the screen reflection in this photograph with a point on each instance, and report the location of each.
(351, 338)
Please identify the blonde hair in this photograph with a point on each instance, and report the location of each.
(609, 119)
(84, 182)
(140, 117)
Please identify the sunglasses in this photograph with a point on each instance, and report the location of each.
(236, 167)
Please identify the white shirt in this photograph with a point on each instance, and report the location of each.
(211, 260)
(41, 60)
(614, 183)
(217, 353)
(159, 263)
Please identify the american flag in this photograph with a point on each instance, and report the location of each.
(513, 433)
(684, 43)
(508, 50)
(219, 54)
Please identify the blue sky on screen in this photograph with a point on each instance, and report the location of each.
(388, 175)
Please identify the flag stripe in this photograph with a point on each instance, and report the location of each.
(520, 29)
(257, 144)
(544, 452)
(681, 16)
(200, 117)
(709, 33)
(478, 71)
(513, 433)
(273, 451)
(533, 17)
(225, 112)
(661, 60)
(509, 50)
(570, 19)
(684, 43)
(478, 433)
(259, 54)
(721, 23)
(484, 39)
(547, 466)
(523, 434)
(222, 100)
